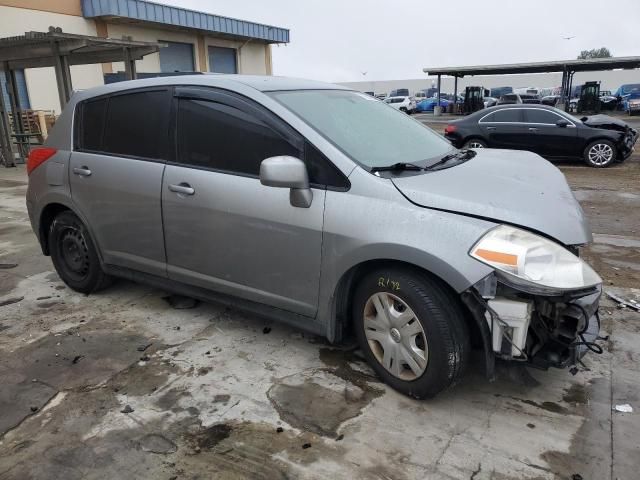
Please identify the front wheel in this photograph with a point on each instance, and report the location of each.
(74, 254)
(411, 330)
(600, 154)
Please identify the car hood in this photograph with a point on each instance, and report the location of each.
(604, 121)
(515, 187)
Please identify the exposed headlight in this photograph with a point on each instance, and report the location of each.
(533, 262)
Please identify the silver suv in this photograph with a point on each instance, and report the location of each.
(324, 208)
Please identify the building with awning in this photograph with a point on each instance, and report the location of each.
(193, 41)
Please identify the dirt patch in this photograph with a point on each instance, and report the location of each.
(320, 402)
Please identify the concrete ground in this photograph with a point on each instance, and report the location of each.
(122, 385)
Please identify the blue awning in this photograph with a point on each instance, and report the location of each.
(181, 17)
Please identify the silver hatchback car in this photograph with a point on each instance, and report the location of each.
(324, 208)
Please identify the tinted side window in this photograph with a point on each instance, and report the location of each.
(541, 116)
(321, 170)
(138, 124)
(91, 124)
(222, 137)
(506, 115)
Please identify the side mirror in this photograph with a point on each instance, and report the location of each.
(562, 123)
(288, 172)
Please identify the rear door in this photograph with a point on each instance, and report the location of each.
(505, 129)
(121, 146)
(224, 230)
(551, 140)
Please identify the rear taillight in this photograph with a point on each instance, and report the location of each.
(450, 129)
(37, 156)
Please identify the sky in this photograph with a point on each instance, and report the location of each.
(366, 40)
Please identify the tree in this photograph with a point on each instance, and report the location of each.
(595, 53)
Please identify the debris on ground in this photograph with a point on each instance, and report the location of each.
(279, 429)
(266, 330)
(145, 358)
(34, 408)
(624, 408)
(76, 359)
(127, 409)
(142, 348)
(10, 300)
(624, 303)
(180, 302)
(7, 266)
(306, 445)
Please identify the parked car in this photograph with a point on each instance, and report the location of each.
(509, 99)
(632, 103)
(371, 94)
(598, 140)
(428, 104)
(497, 92)
(551, 100)
(530, 98)
(490, 102)
(404, 104)
(381, 96)
(272, 196)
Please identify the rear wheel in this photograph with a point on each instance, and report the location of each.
(74, 255)
(475, 143)
(600, 154)
(411, 330)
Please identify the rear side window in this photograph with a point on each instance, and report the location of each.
(91, 124)
(506, 115)
(137, 125)
(221, 137)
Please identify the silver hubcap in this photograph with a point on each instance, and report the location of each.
(395, 336)
(475, 145)
(600, 154)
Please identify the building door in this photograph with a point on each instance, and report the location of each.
(176, 57)
(222, 60)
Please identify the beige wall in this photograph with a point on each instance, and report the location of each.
(41, 82)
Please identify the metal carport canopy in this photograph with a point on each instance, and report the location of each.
(590, 65)
(59, 50)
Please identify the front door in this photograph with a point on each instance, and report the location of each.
(115, 171)
(552, 140)
(224, 230)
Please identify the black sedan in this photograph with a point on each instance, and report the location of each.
(599, 140)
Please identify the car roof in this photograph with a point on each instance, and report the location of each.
(263, 83)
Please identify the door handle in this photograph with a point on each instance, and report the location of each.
(82, 171)
(182, 188)
(533, 129)
(491, 128)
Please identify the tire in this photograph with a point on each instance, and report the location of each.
(600, 154)
(475, 143)
(402, 109)
(74, 254)
(433, 333)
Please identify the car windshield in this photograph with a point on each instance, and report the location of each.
(371, 133)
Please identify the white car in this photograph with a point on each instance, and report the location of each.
(404, 104)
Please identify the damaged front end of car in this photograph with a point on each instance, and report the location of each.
(539, 305)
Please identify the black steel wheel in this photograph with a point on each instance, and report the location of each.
(74, 255)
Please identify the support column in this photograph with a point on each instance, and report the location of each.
(63, 76)
(129, 65)
(6, 145)
(437, 110)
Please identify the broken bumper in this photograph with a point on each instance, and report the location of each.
(543, 331)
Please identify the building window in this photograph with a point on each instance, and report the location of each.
(176, 57)
(222, 60)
